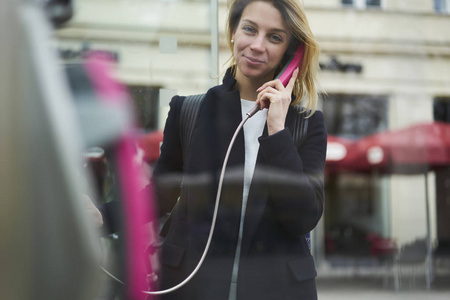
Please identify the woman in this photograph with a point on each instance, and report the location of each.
(273, 191)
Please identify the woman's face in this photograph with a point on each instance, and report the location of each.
(260, 41)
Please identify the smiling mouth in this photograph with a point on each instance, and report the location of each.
(253, 60)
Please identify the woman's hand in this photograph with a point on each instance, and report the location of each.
(277, 98)
(93, 211)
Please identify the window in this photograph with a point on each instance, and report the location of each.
(442, 6)
(361, 4)
(355, 116)
(145, 99)
(441, 109)
(373, 3)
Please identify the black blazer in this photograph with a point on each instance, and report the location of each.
(285, 202)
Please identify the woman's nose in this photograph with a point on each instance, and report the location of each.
(257, 43)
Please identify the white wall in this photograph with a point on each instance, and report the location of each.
(423, 6)
(408, 207)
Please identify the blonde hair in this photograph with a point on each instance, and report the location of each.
(294, 14)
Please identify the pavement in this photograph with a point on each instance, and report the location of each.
(381, 287)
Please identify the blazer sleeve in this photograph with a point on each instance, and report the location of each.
(167, 173)
(295, 176)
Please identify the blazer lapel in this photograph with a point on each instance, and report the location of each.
(258, 195)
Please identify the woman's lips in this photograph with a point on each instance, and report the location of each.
(253, 61)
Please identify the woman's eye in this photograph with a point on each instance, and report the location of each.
(276, 38)
(248, 29)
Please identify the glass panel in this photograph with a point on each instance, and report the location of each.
(385, 83)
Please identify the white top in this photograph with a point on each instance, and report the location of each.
(253, 129)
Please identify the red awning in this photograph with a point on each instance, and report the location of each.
(151, 143)
(414, 149)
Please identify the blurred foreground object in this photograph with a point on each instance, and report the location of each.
(49, 248)
(136, 203)
(58, 11)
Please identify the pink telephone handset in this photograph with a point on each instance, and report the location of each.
(293, 63)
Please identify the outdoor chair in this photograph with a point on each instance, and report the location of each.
(410, 261)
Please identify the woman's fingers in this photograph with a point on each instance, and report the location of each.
(266, 96)
(278, 85)
(291, 83)
(273, 83)
(275, 91)
(277, 98)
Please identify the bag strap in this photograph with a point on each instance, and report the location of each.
(300, 125)
(188, 117)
